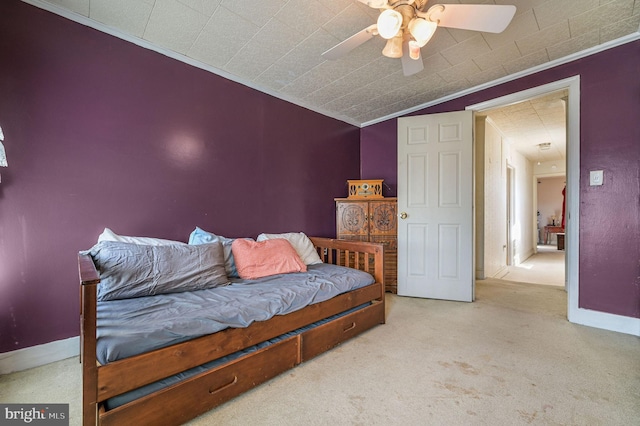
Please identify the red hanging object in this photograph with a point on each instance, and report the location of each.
(564, 192)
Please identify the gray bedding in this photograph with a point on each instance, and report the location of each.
(129, 327)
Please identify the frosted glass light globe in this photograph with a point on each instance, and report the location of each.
(389, 23)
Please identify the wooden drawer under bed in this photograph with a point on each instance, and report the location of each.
(185, 400)
(324, 337)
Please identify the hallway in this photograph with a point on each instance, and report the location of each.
(545, 267)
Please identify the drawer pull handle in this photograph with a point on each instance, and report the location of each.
(223, 387)
(351, 327)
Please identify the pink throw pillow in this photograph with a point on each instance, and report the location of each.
(256, 259)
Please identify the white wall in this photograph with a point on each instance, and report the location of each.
(495, 206)
(492, 157)
(479, 196)
(522, 232)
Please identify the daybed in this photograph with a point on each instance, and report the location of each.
(179, 381)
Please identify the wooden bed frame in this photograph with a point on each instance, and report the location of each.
(194, 396)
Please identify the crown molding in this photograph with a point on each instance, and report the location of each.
(548, 65)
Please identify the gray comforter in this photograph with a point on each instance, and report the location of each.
(133, 326)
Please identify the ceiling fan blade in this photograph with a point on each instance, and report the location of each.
(490, 18)
(346, 46)
(410, 66)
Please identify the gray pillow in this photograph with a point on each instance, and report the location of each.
(131, 270)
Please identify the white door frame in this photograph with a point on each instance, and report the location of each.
(575, 313)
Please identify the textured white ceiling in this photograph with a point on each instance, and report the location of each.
(528, 124)
(275, 46)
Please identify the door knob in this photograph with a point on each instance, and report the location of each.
(403, 215)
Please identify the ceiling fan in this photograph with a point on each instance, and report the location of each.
(407, 28)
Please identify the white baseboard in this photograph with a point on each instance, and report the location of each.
(35, 356)
(618, 323)
(519, 259)
(501, 272)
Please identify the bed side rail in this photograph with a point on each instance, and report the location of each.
(362, 255)
(87, 269)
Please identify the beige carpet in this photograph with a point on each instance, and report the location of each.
(510, 358)
(547, 267)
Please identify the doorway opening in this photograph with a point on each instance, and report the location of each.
(525, 162)
(509, 232)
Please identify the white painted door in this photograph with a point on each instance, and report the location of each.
(435, 205)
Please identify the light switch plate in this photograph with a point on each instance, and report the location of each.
(596, 177)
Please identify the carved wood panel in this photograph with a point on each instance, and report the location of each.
(352, 218)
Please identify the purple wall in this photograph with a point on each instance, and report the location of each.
(102, 133)
(610, 141)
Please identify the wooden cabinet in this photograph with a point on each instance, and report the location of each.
(375, 221)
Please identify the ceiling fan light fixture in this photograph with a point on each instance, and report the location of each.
(393, 48)
(389, 23)
(422, 30)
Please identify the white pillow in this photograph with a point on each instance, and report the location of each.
(303, 245)
(109, 235)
